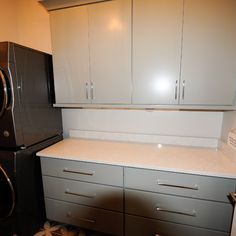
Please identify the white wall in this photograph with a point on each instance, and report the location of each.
(25, 22)
(172, 123)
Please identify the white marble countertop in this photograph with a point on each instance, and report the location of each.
(203, 161)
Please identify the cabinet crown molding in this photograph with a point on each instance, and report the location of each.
(59, 4)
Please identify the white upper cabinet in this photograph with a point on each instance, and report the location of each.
(92, 53)
(209, 53)
(69, 30)
(110, 51)
(157, 34)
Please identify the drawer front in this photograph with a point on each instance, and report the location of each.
(195, 212)
(103, 196)
(83, 171)
(140, 226)
(86, 217)
(203, 187)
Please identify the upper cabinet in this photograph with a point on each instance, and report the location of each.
(92, 53)
(208, 75)
(146, 52)
(157, 35)
(69, 30)
(110, 51)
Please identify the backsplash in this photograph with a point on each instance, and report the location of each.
(170, 127)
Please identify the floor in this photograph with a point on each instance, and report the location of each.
(57, 229)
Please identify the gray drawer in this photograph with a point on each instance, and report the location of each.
(189, 211)
(140, 226)
(77, 170)
(204, 187)
(86, 217)
(103, 196)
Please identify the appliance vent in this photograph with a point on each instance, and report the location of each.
(231, 141)
(59, 4)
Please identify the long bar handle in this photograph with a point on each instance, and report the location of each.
(90, 173)
(86, 87)
(192, 213)
(80, 194)
(162, 183)
(176, 89)
(183, 91)
(91, 90)
(80, 218)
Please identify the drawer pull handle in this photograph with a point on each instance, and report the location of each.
(195, 187)
(80, 218)
(193, 213)
(80, 194)
(79, 172)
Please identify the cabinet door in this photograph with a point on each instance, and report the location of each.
(69, 29)
(110, 51)
(157, 34)
(209, 52)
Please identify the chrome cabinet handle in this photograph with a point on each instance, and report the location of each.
(91, 90)
(183, 91)
(69, 215)
(159, 182)
(5, 95)
(176, 89)
(12, 191)
(80, 194)
(86, 86)
(90, 173)
(192, 213)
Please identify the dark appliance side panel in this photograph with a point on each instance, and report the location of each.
(39, 120)
(10, 123)
(7, 224)
(23, 167)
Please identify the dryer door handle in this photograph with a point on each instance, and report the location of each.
(3, 92)
(9, 183)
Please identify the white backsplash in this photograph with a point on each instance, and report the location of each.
(193, 128)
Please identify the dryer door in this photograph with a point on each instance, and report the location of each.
(7, 196)
(3, 93)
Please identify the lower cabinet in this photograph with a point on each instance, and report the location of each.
(101, 220)
(87, 195)
(140, 226)
(163, 203)
(119, 201)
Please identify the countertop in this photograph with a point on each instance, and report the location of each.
(202, 161)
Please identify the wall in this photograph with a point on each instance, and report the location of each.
(25, 22)
(8, 20)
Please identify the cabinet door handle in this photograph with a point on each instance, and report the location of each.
(195, 187)
(86, 86)
(192, 213)
(91, 90)
(69, 215)
(80, 194)
(176, 89)
(183, 91)
(90, 173)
